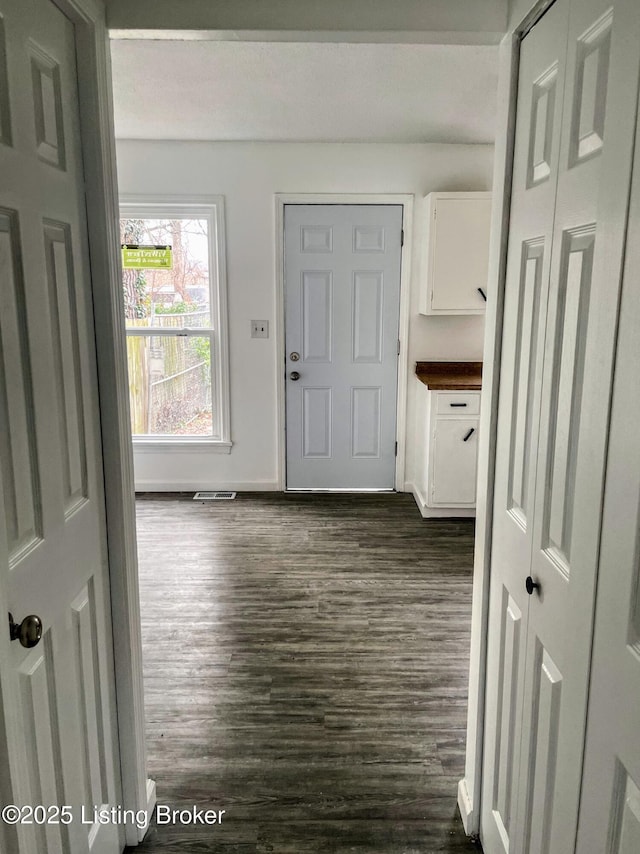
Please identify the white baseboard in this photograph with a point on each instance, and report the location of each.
(466, 809)
(418, 496)
(206, 486)
(438, 512)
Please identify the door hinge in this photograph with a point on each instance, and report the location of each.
(396, 451)
(402, 237)
(398, 346)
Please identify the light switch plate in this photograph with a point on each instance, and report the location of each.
(259, 328)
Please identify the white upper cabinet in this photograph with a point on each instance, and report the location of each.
(457, 254)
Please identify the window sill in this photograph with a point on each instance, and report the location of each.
(181, 446)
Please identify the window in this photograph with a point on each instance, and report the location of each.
(175, 314)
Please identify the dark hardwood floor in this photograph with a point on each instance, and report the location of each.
(306, 671)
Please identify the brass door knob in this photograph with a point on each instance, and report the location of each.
(28, 632)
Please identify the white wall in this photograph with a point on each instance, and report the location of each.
(248, 175)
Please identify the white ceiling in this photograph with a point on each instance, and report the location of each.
(320, 92)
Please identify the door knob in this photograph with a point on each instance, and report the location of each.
(28, 632)
(294, 375)
(531, 585)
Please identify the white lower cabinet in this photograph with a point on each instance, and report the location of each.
(447, 442)
(452, 463)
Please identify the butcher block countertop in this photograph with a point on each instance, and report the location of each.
(450, 376)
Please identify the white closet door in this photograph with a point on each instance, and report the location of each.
(553, 422)
(535, 174)
(586, 265)
(57, 704)
(610, 808)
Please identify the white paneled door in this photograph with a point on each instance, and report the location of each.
(58, 703)
(610, 809)
(342, 293)
(578, 87)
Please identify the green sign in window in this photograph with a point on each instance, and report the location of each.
(138, 257)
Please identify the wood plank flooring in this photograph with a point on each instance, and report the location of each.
(306, 671)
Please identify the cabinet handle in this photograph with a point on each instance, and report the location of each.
(482, 294)
(469, 434)
(457, 404)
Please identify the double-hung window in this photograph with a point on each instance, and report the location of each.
(175, 315)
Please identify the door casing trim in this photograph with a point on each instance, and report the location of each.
(98, 150)
(407, 201)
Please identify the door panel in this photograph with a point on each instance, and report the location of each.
(365, 422)
(47, 101)
(317, 422)
(317, 316)
(567, 355)
(342, 289)
(586, 266)
(542, 125)
(39, 700)
(610, 805)
(590, 87)
(527, 320)
(541, 750)
(535, 177)
(18, 451)
(625, 827)
(367, 318)
(66, 352)
(58, 699)
(502, 796)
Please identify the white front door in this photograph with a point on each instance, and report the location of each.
(610, 807)
(58, 697)
(342, 293)
(577, 94)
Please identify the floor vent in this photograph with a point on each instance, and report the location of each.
(214, 496)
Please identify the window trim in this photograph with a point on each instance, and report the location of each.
(210, 208)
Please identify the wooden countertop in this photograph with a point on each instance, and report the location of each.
(450, 376)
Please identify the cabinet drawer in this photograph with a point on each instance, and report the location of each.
(457, 403)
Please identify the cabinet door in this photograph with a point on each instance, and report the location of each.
(460, 255)
(453, 462)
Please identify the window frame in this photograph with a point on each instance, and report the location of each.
(210, 208)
